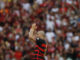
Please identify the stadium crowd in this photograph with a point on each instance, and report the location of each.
(60, 19)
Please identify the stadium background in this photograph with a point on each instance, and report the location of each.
(60, 19)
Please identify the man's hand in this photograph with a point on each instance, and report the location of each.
(34, 26)
(32, 36)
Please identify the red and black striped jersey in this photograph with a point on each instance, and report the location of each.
(39, 50)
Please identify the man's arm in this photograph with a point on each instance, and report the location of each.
(32, 36)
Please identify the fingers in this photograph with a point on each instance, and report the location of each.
(34, 26)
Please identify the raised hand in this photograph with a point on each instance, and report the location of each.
(34, 26)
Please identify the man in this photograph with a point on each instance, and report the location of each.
(39, 39)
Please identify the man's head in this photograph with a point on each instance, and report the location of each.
(41, 34)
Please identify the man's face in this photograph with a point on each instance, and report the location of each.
(39, 34)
